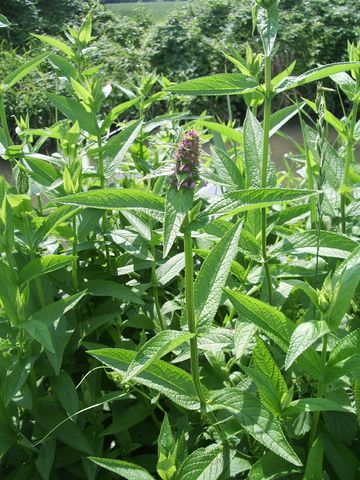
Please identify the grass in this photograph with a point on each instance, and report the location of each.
(158, 10)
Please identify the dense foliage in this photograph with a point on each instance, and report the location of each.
(189, 42)
(171, 311)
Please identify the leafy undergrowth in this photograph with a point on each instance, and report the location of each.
(170, 313)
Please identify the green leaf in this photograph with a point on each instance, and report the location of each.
(346, 83)
(116, 112)
(114, 199)
(268, 26)
(265, 363)
(170, 269)
(303, 337)
(314, 464)
(267, 318)
(54, 42)
(253, 149)
(131, 243)
(154, 349)
(8, 295)
(40, 332)
(258, 422)
(16, 375)
(239, 201)
(344, 462)
(75, 111)
(228, 132)
(65, 390)
(12, 78)
(127, 470)
(330, 244)
(345, 348)
(344, 284)
(117, 147)
(42, 266)
(163, 377)
(177, 204)
(271, 467)
(203, 464)
(219, 84)
(268, 393)
(315, 405)
(4, 22)
(212, 278)
(227, 169)
(280, 118)
(107, 288)
(316, 74)
(166, 440)
(55, 219)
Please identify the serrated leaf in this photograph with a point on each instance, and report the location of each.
(346, 83)
(330, 244)
(345, 348)
(218, 84)
(243, 336)
(163, 377)
(268, 26)
(268, 393)
(107, 288)
(315, 405)
(42, 266)
(114, 199)
(315, 74)
(53, 220)
(212, 278)
(203, 464)
(131, 243)
(12, 78)
(75, 111)
(344, 283)
(240, 201)
(253, 149)
(303, 337)
(154, 349)
(256, 420)
(170, 269)
(227, 169)
(177, 204)
(229, 132)
(117, 147)
(267, 318)
(127, 470)
(280, 118)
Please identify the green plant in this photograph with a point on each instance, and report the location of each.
(172, 311)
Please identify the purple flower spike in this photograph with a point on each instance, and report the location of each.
(186, 173)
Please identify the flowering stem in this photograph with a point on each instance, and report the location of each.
(264, 170)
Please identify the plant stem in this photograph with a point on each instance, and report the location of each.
(74, 273)
(320, 393)
(154, 282)
(190, 314)
(349, 159)
(264, 170)
(4, 122)
(101, 175)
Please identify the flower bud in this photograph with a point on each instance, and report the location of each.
(186, 173)
(21, 179)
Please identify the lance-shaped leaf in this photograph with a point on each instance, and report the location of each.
(41, 333)
(316, 74)
(316, 405)
(177, 204)
(225, 130)
(226, 169)
(75, 111)
(114, 199)
(328, 244)
(268, 393)
(12, 78)
(279, 118)
(107, 288)
(53, 220)
(256, 420)
(56, 43)
(116, 112)
(219, 84)
(346, 83)
(117, 147)
(253, 149)
(314, 464)
(127, 470)
(171, 381)
(345, 348)
(154, 349)
(304, 335)
(8, 294)
(212, 277)
(170, 269)
(203, 464)
(270, 466)
(344, 283)
(42, 266)
(239, 201)
(268, 26)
